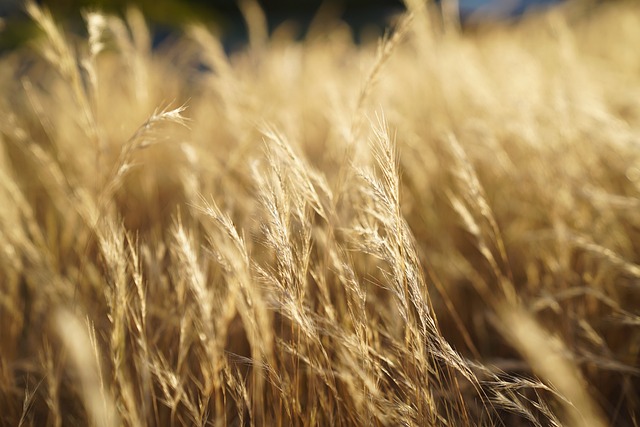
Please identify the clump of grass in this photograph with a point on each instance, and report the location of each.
(437, 229)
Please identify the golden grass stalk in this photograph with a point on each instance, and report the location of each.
(82, 347)
(550, 359)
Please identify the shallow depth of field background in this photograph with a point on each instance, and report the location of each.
(240, 216)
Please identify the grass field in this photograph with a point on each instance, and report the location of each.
(431, 228)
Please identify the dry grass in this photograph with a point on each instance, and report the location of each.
(438, 229)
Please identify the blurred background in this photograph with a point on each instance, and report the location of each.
(166, 16)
